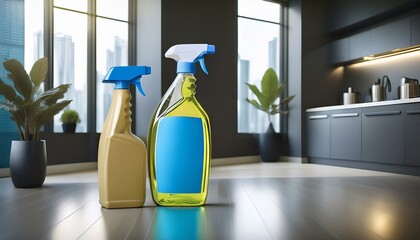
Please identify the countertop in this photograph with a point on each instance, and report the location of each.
(362, 105)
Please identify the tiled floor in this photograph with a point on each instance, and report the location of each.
(250, 201)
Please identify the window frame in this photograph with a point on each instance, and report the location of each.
(283, 55)
(91, 54)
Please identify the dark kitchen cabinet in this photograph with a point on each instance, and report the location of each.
(412, 134)
(346, 133)
(347, 13)
(383, 38)
(339, 51)
(383, 134)
(415, 29)
(360, 45)
(319, 140)
(390, 36)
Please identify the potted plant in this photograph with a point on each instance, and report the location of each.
(30, 107)
(70, 118)
(271, 90)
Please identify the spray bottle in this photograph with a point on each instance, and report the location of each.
(179, 144)
(121, 154)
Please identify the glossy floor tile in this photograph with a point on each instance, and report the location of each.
(252, 201)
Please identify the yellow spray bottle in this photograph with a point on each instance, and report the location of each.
(121, 154)
(179, 145)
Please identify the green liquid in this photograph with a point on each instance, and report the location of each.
(179, 101)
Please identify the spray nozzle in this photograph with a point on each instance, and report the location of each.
(123, 76)
(187, 55)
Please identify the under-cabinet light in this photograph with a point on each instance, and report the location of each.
(391, 53)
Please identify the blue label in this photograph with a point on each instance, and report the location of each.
(179, 155)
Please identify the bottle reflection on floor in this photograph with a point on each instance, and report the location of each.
(179, 223)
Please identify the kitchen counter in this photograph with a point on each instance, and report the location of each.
(362, 105)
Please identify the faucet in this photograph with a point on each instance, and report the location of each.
(386, 83)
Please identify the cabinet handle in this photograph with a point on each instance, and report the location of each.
(318, 117)
(413, 112)
(384, 113)
(344, 115)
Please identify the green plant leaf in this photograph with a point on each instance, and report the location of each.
(8, 92)
(20, 78)
(287, 100)
(261, 98)
(256, 104)
(39, 71)
(70, 116)
(46, 114)
(270, 85)
(271, 91)
(51, 96)
(281, 88)
(276, 111)
(19, 117)
(7, 106)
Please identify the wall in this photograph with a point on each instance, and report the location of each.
(295, 79)
(213, 22)
(148, 53)
(312, 79)
(362, 75)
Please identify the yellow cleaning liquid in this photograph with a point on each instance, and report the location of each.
(121, 154)
(179, 147)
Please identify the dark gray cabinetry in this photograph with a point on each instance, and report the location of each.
(395, 28)
(345, 13)
(412, 134)
(360, 45)
(390, 36)
(346, 131)
(319, 134)
(383, 134)
(415, 29)
(339, 51)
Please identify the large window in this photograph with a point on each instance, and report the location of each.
(80, 26)
(87, 38)
(82, 40)
(260, 46)
(11, 46)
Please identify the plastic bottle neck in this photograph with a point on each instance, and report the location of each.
(185, 67)
(122, 85)
(188, 86)
(121, 105)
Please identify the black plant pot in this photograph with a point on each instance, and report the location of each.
(28, 163)
(269, 145)
(69, 127)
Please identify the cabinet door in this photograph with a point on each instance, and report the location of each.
(412, 134)
(390, 36)
(346, 134)
(344, 13)
(339, 51)
(383, 134)
(318, 125)
(360, 45)
(415, 29)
